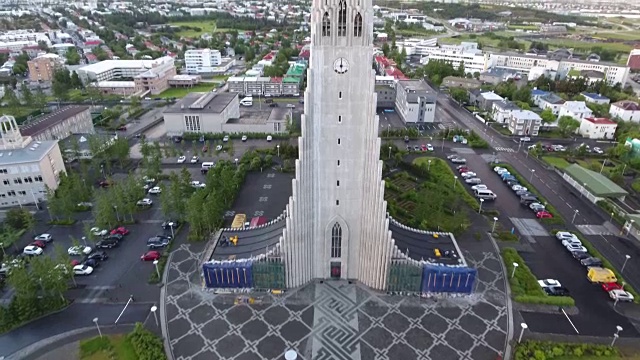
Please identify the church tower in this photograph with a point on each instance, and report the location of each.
(336, 218)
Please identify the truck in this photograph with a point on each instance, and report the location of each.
(239, 221)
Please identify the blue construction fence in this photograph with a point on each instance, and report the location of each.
(245, 274)
(445, 279)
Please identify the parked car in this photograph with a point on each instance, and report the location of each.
(611, 286)
(244, 138)
(79, 250)
(198, 185)
(82, 270)
(120, 230)
(170, 224)
(566, 242)
(225, 138)
(452, 156)
(576, 248)
(182, 159)
(498, 169)
(517, 187)
(579, 255)
(32, 250)
(107, 243)
(561, 235)
(144, 202)
(597, 150)
(44, 237)
(473, 181)
(98, 232)
(459, 161)
(219, 148)
(620, 295)
(547, 283)
(194, 159)
(157, 242)
(525, 139)
(429, 147)
(468, 174)
(591, 261)
(155, 190)
(94, 263)
(205, 149)
(38, 243)
(479, 187)
(98, 255)
(556, 291)
(536, 207)
(150, 256)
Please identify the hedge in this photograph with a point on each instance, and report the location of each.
(557, 219)
(609, 208)
(543, 350)
(146, 345)
(524, 285)
(606, 263)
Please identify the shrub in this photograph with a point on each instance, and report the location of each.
(506, 236)
(532, 349)
(146, 345)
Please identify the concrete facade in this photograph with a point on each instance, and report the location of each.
(524, 123)
(60, 124)
(336, 217)
(415, 101)
(597, 128)
(43, 67)
(625, 110)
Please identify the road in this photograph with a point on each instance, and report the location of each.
(565, 198)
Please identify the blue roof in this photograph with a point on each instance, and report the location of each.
(538, 92)
(594, 96)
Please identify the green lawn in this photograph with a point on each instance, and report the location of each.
(111, 347)
(208, 26)
(619, 35)
(576, 44)
(557, 162)
(182, 92)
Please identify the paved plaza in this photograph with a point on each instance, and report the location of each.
(334, 320)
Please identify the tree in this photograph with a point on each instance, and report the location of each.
(73, 58)
(568, 125)
(61, 84)
(19, 219)
(547, 116)
(249, 55)
(459, 94)
(174, 198)
(11, 98)
(27, 95)
(40, 99)
(104, 212)
(75, 82)
(119, 150)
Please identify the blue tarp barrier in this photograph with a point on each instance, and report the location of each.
(438, 279)
(228, 274)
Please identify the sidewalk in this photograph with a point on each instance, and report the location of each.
(66, 352)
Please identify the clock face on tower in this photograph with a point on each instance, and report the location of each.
(341, 65)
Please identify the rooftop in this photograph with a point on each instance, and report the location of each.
(210, 102)
(597, 184)
(594, 96)
(627, 105)
(538, 92)
(107, 65)
(490, 95)
(600, 121)
(47, 121)
(576, 106)
(525, 115)
(506, 105)
(255, 117)
(34, 152)
(552, 98)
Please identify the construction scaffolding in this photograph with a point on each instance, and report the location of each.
(404, 276)
(268, 274)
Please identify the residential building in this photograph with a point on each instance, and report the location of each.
(633, 62)
(551, 101)
(536, 94)
(198, 61)
(592, 76)
(120, 88)
(495, 76)
(597, 128)
(220, 113)
(60, 124)
(43, 67)
(264, 86)
(575, 109)
(117, 69)
(155, 80)
(27, 167)
(388, 67)
(415, 101)
(485, 100)
(595, 98)
(524, 123)
(184, 80)
(502, 109)
(462, 82)
(626, 110)
(466, 53)
(16, 45)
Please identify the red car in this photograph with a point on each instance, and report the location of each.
(423, 147)
(543, 215)
(120, 230)
(463, 169)
(150, 256)
(38, 243)
(122, 128)
(104, 183)
(74, 263)
(205, 148)
(611, 286)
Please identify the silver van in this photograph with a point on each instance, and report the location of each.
(485, 194)
(208, 165)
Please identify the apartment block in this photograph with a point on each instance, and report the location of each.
(43, 67)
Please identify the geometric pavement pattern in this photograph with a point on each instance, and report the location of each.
(334, 319)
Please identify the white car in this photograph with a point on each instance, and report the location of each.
(194, 159)
(43, 237)
(182, 159)
(468, 174)
(98, 232)
(225, 138)
(576, 248)
(498, 168)
(561, 235)
(148, 180)
(429, 147)
(536, 207)
(79, 250)
(574, 242)
(292, 106)
(479, 187)
(218, 147)
(269, 138)
(32, 250)
(244, 138)
(518, 188)
(525, 139)
(144, 202)
(82, 270)
(549, 283)
(155, 190)
(597, 150)
(198, 184)
(620, 295)
(473, 180)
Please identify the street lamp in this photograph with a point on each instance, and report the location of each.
(291, 355)
(117, 214)
(84, 240)
(616, 335)
(236, 160)
(603, 163)
(155, 262)
(428, 165)
(611, 218)
(630, 226)
(524, 326)
(515, 266)
(626, 258)
(531, 177)
(95, 321)
(389, 152)
(495, 220)
(455, 179)
(575, 213)
(2, 247)
(153, 310)
(480, 208)
(173, 235)
(584, 189)
(278, 147)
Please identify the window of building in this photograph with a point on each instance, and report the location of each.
(192, 123)
(326, 25)
(357, 25)
(338, 183)
(342, 18)
(338, 162)
(339, 118)
(17, 181)
(340, 95)
(38, 178)
(337, 202)
(336, 241)
(11, 193)
(22, 192)
(3, 171)
(338, 141)
(6, 182)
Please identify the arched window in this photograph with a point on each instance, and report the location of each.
(342, 18)
(357, 25)
(336, 241)
(326, 25)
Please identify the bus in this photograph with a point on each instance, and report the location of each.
(238, 221)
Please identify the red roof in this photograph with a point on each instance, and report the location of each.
(628, 105)
(395, 72)
(382, 61)
(91, 56)
(600, 121)
(269, 56)
(304, 54)
(276, 80)
(93, 42)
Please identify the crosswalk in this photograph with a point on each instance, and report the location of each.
(504, 149)
(91, 295)
(594, 230)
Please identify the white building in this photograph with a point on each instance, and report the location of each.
(416, 46)
(198, 61)
(117, 69)
(551, 101)
(597, 128)
(27, 167)
(626, 110)
(595, 98)
(17, 45)
(575, 109)
(415, 101)
(502, 109)
(468, 53)
(524, 123)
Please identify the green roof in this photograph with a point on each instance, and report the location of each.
(597, 184)
(291, 80)
(296, 70)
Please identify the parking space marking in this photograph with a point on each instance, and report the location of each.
(570, 322)
(230, 213)
(504, 149)
(151, 221)
(258, 213)
(263, 199)
(267, 186)
(271, 175)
